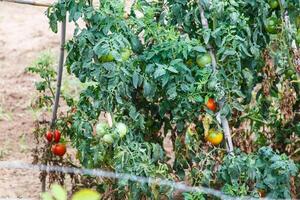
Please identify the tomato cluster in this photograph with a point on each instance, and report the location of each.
(109, 135)
(57, 149)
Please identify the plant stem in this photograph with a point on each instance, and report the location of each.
(50, 88)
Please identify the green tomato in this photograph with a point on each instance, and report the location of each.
(294, 77)
(272, 25)
(273, 4)
(298, 21)
(121, 129)
(108, 138)
(86, 194)
(125, 54)
(101, 128)
(203, 60)
(298, 37)
(290, 73)
(106, 58)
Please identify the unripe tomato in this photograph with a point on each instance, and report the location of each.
(56, 136)
(121, 129)
(108, 138)
(298, 21)
(272, 25)
(273, 4)
(59, 149)
(203, 60)
(214, 137)
(289, 73)
(106, 58)
(125, 54)
(101, 128)
(211, 104)
(298, 36)
(49, 136)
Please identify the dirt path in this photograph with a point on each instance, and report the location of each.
(24, 34)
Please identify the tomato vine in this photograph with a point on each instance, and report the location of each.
(152, 71)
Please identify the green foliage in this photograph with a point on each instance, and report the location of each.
(265, 170)
(43, 66)
(193, 196)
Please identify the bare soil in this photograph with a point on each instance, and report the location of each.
(24, 34)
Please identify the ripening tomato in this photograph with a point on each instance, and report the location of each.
(56, 136)
(108, 138)
(59, 149)
(121, 129)
(273, 4)
(262, 193)
(214, 137)
(272, 25)
(203, 60)
(49, 136)
(211, 104)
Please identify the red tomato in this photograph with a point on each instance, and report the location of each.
(56, 136)
(49, 136)
(59, 149)
(211, 104)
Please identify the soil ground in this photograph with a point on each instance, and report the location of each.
(24, 34)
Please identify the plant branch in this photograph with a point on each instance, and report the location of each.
(50, 88)
(224, 121)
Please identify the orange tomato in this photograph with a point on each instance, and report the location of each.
(262, 193)
(211, 104)
(214, 137)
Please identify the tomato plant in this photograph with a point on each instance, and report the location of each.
(155, 70)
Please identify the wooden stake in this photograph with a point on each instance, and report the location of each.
(59, 80)
(59, 72)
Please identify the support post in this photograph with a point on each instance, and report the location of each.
(58, 88)
(59, 72)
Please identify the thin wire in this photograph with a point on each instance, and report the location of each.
(28, 2)
(114, 175)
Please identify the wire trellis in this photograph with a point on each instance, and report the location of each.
(121, 176)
